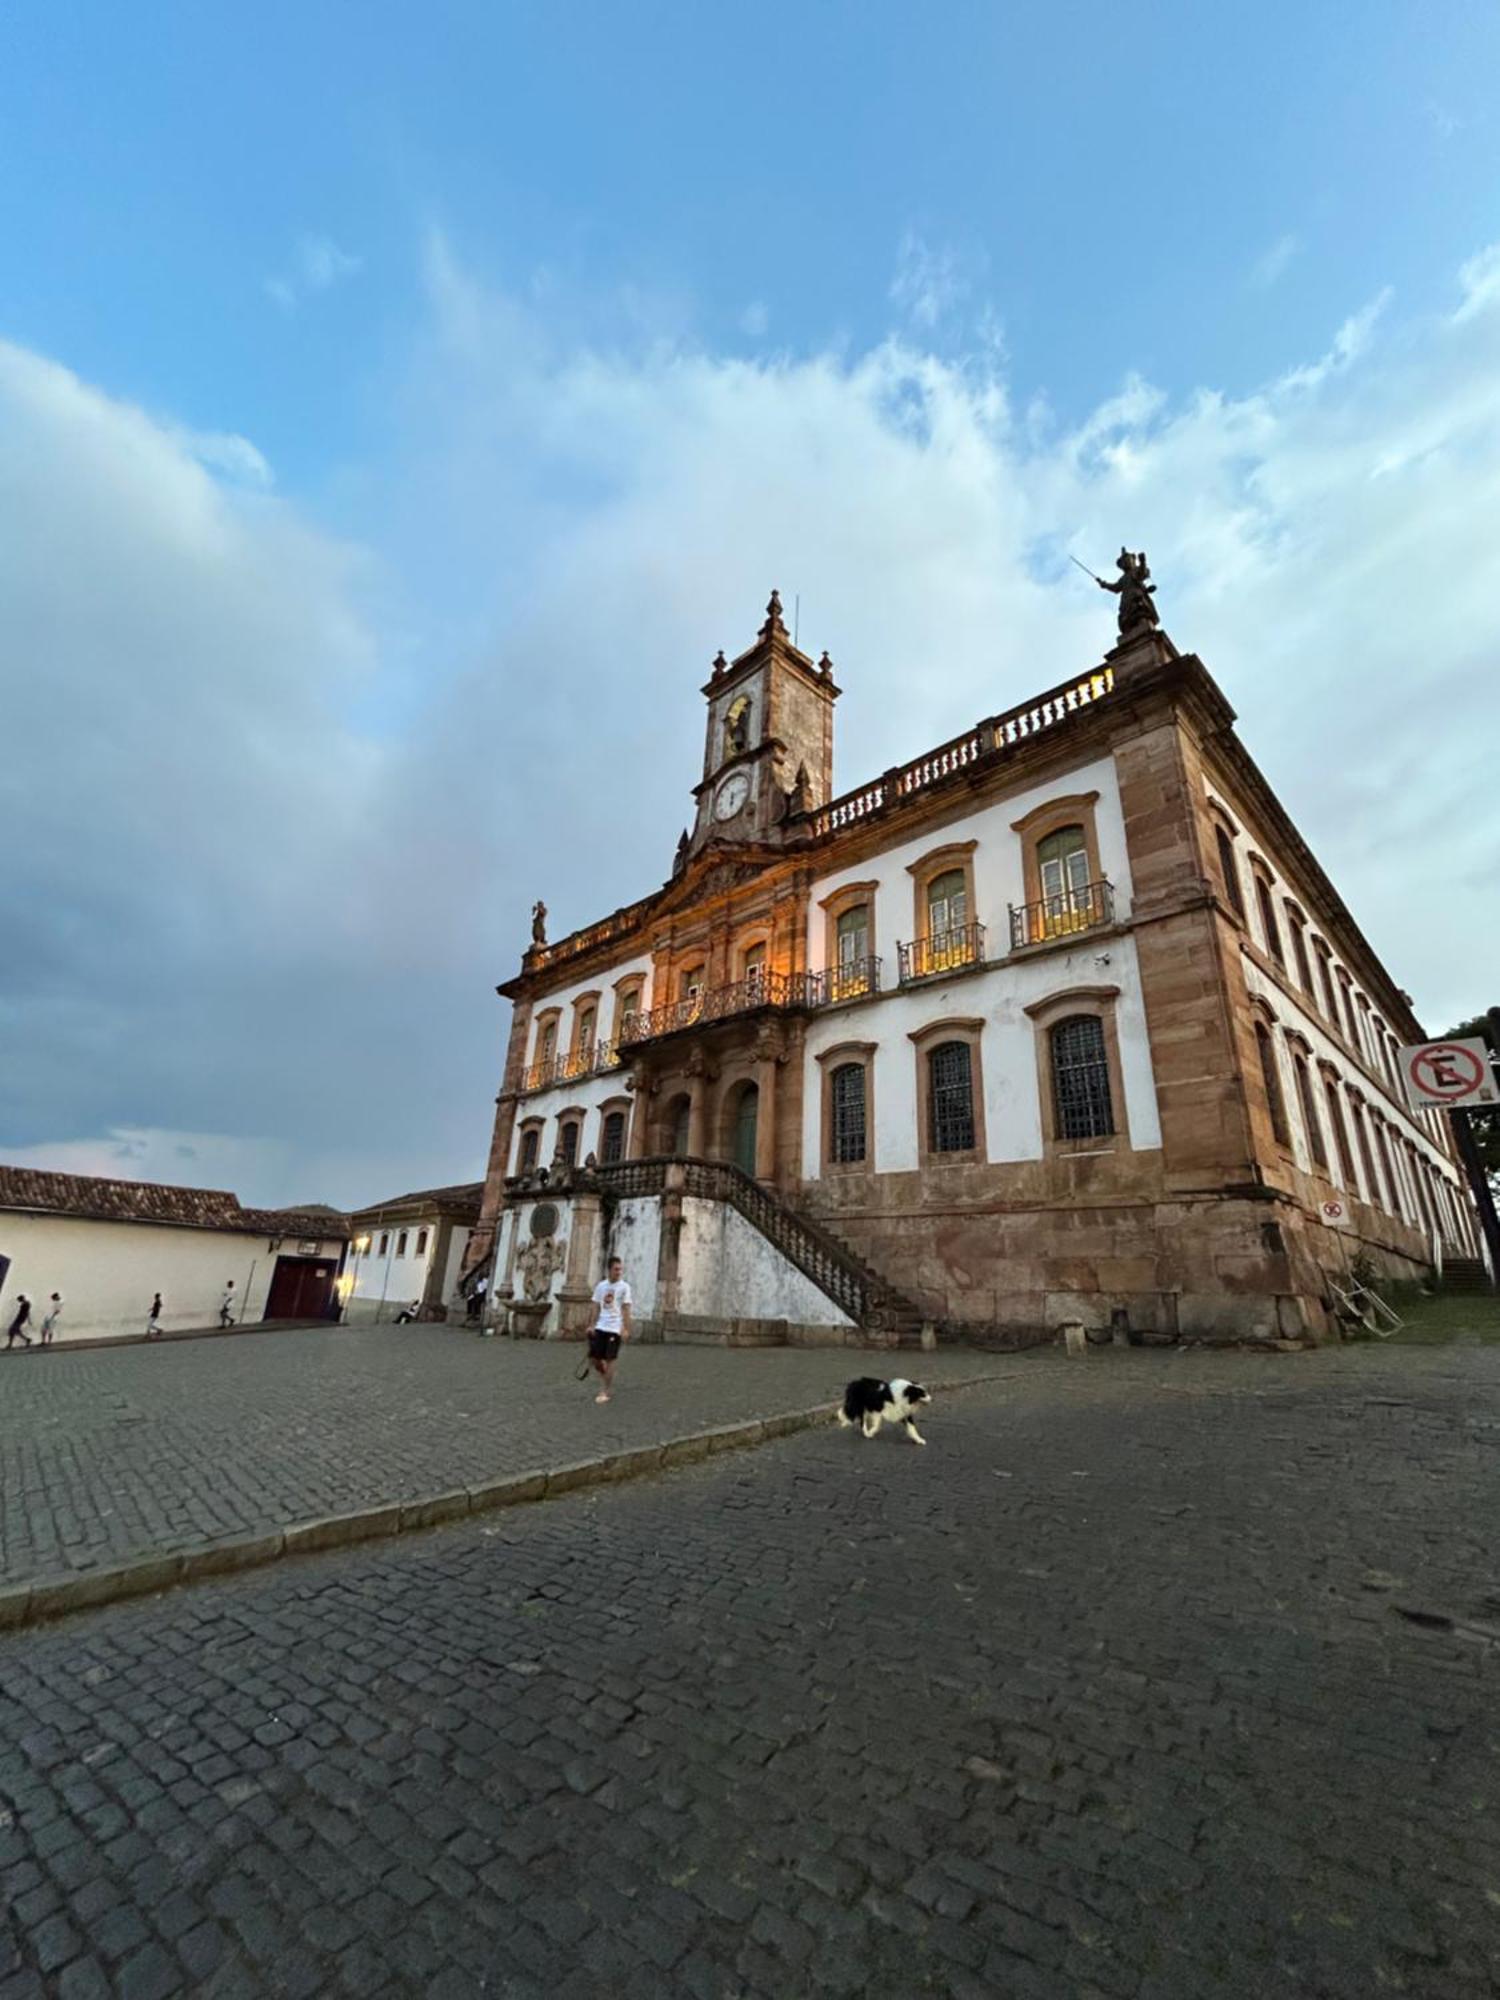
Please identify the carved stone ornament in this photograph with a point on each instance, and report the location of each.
(544, 1219)
(775, 625)
(1134, 591)
(538, 1264)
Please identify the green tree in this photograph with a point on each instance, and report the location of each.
(1485, 1124)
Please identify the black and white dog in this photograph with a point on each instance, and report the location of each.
(869, 1404)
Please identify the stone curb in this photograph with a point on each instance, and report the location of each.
(49, 1597)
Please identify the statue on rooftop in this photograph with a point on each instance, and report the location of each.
(1134, 592)
(539, 923)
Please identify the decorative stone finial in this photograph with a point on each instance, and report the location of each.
(775, 625)
(721, 665)
(825, 666)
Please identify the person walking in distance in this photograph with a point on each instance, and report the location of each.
(153, 1323)
(50, 1319)
(226, 1304)
(19, 1324)
(611, 1325)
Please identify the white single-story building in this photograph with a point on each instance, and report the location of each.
(406, 1254)
(109, 1246)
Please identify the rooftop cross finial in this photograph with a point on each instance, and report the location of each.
(775, 625)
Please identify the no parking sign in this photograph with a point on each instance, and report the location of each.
(1450, 1074)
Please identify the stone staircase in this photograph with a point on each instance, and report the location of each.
(866, 1295)
(1465, 1274)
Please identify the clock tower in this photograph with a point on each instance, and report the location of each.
(769, 745)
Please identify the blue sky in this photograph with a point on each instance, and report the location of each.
(386, 388)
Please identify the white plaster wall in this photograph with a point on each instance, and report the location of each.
(635, 1238)
(727, 1270)
(107, 1271)
(457, 1246)
(999, 872)
(1294, 1012)
(589, 1092)
(398, 1280)
(999, 996)
(604, 984)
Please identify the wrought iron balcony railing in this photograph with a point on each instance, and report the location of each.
(854, 979)
(720, 1003)
(943, 951)
(1061, 916)
(584, 1061)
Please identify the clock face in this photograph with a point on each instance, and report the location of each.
(731, 795)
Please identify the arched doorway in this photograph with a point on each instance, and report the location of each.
(744, 1116)
(675, 1121)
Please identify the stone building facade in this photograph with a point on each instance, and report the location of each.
(1059, 1019)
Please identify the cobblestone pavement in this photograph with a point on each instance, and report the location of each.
(1109, 1694)
(109, 1454)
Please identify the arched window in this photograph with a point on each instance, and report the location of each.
(1299, 948)
(546, 1041)
(1062, 863)
(1080, 1079)
(852, 969)
(950, 1086)
(1229, 869)
(947, 903)
(612, 1138)
(531, 1141)
(1271, 1077)
(847, 1103)
(1268, 919)
(1309, 1106)
(567, 1141)
(1341, 1137)
(755, 968)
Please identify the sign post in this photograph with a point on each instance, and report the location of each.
(1457, 1075)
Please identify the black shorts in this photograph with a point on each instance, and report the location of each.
(603, 1346)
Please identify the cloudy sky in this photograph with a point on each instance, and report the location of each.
(399, 407)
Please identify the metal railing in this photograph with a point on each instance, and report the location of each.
(817, 1254)
(854, 979)
(944, 951)
(719, 1003)
(586, 1060)
(1063, 915)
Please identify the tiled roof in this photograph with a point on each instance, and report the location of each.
(460, 1201)
(37, 1192)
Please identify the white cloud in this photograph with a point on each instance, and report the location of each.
(929, 283)
(318, 264)
(1272, 263)
(246, 914)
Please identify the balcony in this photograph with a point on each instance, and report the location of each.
(854, 979)
(945, 951)
(585, 1061)
(722, 1003)
(1062, 916)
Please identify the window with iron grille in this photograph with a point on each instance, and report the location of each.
(1271, 1077)
(950, 1082)
(567, 1141)
(847, 1095)
(1080, 1079)
(612, 1140)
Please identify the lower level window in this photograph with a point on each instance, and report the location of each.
(1080, 1079)
(612, 1139)
(847, 1087)
(950, 1082)
(567, 1141)
(531, 1140)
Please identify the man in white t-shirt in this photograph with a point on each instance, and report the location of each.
(611, 1324)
